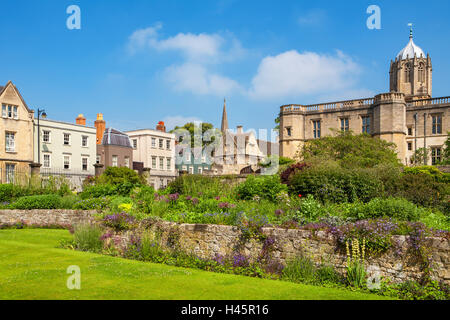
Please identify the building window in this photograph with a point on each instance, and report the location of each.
(191, 169)
(168, 144)
(437, 124)
(10, 142)
(84, 164)
(161, 163)
(407, 73)
(169, 163)
(366, 125)
(161, 143)
(289, 131)
(10, 172)
(84, 141)
(188, 157)
(316, 129)
(153, 142)
(11, 112)
(46, 136)
(127, 162)
(436, 156)
(98, 158)
(184, 168)
(203, 159)
(66, 162)
(410, 133)
(344, 124)
(134, 143)
(153, 162)
(115, 161)
(66, 139)
(409, 146)
(46, 163)
(200, 170)
(421, 73)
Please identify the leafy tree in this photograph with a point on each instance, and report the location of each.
(277, 121)
(194, 132)
(350, 150)
(419, 157)
(446, 153)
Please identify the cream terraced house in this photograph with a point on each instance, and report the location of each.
(407, 116)
(156, 150)
(16, 136)
(67, 149)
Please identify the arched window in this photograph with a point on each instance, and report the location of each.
(407, 73)
(421, 72)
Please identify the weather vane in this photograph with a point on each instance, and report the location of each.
(410, 25)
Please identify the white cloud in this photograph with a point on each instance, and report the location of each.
(291, 74)
(197, 79)
(201, 53)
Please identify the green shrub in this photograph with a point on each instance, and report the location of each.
(98, 204)
(266, 187)
(98, 191)
(303, 270)
(119, 176)
(198, 185)
(431, 171)
(423, 189)
(398, 209)
(68, 202)
(87, 237)
(334, 184)
(49, 201)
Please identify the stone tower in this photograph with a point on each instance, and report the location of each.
(411, 72)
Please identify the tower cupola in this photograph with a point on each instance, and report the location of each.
(411, 72)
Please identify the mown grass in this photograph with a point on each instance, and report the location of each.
(33, 268)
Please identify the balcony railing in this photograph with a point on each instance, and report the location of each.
(328, 106)
(429, 102)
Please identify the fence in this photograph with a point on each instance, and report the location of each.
(74, 179)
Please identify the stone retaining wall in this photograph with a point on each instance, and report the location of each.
(400, 263)
(46, 218)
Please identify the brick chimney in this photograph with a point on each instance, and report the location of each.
(240, 129)
(161, 126)
(81, 120)
(100, 124)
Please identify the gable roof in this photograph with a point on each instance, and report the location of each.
(2, 89)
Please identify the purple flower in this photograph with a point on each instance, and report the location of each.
(195, 201)
(240, 261)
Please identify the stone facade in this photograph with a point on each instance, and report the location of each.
(206, 241)
(67, 149)
(156, 150)
(16, 136)
(407, 116)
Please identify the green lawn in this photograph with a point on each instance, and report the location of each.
(31, 267)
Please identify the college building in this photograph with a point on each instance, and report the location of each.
(155, 149)
(408, 115)
(65, 149)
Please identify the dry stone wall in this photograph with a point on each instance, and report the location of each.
(206, 241)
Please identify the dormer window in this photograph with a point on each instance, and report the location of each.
(10, 112)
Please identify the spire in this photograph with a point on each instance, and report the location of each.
(224, 116)
(410, 25)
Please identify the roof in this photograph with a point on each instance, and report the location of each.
(18, 93)
(410, 51)
(116, 138)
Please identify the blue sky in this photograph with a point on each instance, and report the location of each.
(140, 61)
